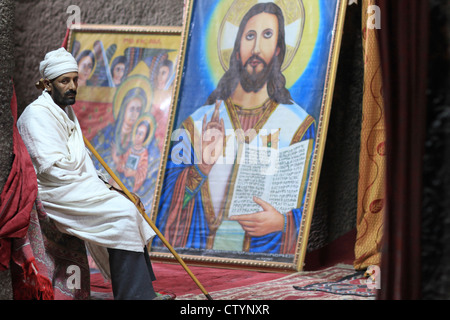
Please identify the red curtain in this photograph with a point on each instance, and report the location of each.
(18, 194)
(404, 55)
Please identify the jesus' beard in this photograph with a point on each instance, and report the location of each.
(253, 82)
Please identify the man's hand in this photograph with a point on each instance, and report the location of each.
(136, 199)
(261, 223)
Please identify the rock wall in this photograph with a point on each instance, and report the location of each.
(6, 75)
(6, 120)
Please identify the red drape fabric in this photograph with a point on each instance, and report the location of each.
(18, 194)
(404, 54)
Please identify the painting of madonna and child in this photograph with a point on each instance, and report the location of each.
(239, 177)
(125, 87)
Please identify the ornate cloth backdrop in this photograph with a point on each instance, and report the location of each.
(371, 193)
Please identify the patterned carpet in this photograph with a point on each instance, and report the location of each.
(340, 282)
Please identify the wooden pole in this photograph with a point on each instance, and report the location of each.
(149, 221)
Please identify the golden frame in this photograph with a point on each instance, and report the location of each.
(142, 51)
(190, 67)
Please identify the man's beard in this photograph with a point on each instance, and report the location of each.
(64, 99)
(253, 82)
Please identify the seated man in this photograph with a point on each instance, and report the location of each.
(74, 196)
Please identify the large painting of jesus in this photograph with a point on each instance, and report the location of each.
(248, 129)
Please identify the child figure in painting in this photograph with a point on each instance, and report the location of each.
(133, 164)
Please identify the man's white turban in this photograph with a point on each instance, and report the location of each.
(56, 63)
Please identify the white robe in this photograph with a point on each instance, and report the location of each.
(71, 192)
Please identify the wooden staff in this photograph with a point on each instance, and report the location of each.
(149, 221)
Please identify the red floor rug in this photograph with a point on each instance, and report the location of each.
(173, 279)
(244, 284)
(340, 282)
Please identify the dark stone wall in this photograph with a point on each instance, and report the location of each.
(6, 119)
(336, 202)
(6, 75)
(435, 237)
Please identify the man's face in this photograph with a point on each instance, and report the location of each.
(63, 89)
(258, 48)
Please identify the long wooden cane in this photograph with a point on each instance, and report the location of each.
(149, 221)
